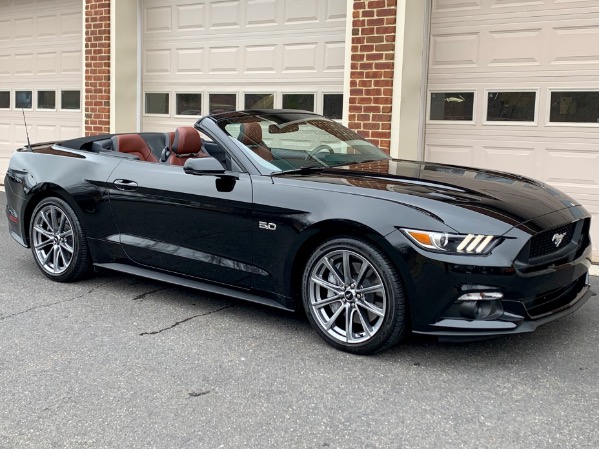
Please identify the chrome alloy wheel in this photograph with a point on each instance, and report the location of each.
(52, 239)
(347, 296)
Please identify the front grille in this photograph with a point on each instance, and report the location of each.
(545, 243)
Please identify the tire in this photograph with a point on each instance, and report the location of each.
(370, 300)
(58, 242)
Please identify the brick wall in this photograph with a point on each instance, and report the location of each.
(97, 67)
(371, 72)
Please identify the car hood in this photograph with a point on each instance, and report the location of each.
(453, 193)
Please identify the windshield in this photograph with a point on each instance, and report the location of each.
(294, 140)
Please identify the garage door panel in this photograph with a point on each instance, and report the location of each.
(450, 154)
(158, 18)
(577, 168)
(570, 44)
(505, 158)
(259, 58)
(46, 133)
(457, 50)
(189, 61)
(5, 133)
(190, 17)
(515, 47)
(223, 60)
(224, 14)
(70, 132)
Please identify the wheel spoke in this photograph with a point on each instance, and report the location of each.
(43, 244)
(63, 220)
(332, 320)
(55, 259)
(349, 324)
(65, 246)
(365, 324)
(327, 285)
(346, 268)
(371, 289)
(67, 234)
(47, 257)
(327, 301)
(363, 269)
(53, 219)
(46, 220)
(333, 270)
(42, 231)
(371, 308)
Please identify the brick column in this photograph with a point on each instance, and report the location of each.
(371, 72)
(97, 67)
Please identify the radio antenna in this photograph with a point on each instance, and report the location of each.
(26, 131)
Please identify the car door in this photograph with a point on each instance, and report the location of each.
(184, 223)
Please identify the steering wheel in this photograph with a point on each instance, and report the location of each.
(324, 147)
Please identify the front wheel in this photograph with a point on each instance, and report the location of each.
(353, 296)
(58, 241)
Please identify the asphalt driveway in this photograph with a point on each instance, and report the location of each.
(122, 362)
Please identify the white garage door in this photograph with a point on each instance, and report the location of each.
(514, 85)
(209, 56)
(40, 72)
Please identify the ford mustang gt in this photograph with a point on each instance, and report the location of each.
(292, 210)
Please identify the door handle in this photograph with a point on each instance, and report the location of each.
(125, 184)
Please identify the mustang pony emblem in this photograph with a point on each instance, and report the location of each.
(558, 238)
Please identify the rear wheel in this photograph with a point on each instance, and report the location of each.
(353, 296)
(58, 242)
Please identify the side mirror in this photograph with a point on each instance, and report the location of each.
(207, 166)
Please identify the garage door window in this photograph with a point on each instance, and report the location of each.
(574, 107)
(70, 99)
(304, 102)
(333, 106)
(452, 106)
(5, 99)
(23, 99)
(259, 101)
(511, 106)
(222, 103)
(46, 99)
(157, 103)
(189, 104)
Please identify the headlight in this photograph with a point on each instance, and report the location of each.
(477, 244)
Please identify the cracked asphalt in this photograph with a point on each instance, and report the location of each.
(117, 361)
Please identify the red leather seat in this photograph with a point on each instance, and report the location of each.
(133, 144)
(187, 143)
(250, 134)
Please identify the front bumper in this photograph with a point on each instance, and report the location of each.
(461, 330)
(531, 297)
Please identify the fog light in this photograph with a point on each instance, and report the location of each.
(480, 296)
(481, 310)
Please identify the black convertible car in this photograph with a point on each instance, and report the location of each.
(289, 209)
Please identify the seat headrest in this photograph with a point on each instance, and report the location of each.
(250, 133)
(187, 141)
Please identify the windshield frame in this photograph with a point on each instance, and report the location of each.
(286, 118)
